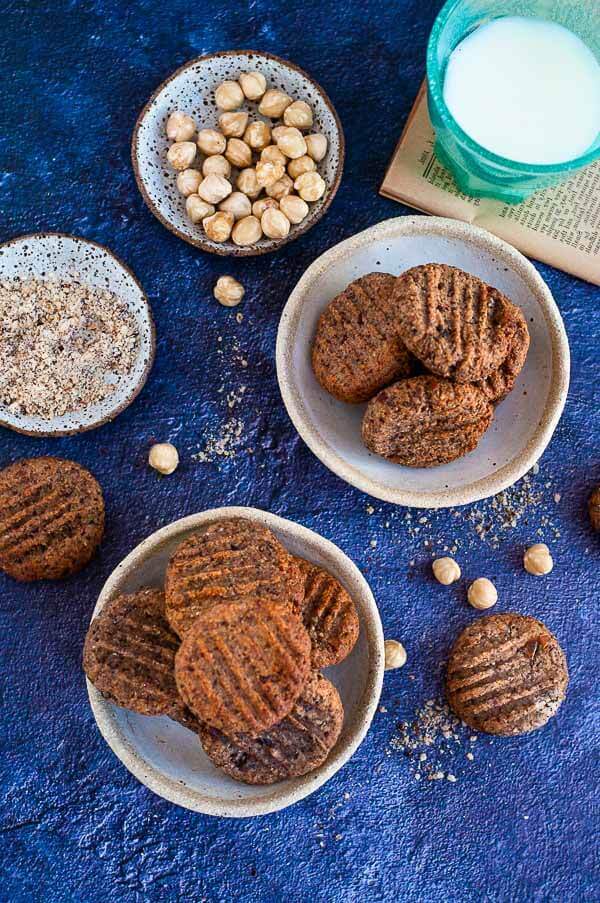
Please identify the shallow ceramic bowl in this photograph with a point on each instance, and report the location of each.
(523, 424)
(169, 759)
(191, 89)
(54, 255)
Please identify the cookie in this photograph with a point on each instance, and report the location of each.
(295, 746)
(357, 349)
(242, 665)
(594, 508)
(425, 421)
(455, 324)
(506, 675)
(129, 656)
(229, 559)
(501, 381)
(51, 518)
(329, 615)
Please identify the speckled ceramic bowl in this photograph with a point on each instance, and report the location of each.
(169, 759)
(54, 255)
(191, 89)
(523, 424)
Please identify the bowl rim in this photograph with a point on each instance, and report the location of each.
(280, 795)
(485, 486)
(249, 251)
(137, 388)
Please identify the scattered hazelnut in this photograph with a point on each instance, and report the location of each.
(316, 146)
(197, 209)
(273, 103)
(218, 165)
(310, 186)
(280, 188)
(301, 165)
(229, 96)
(291, 143)
(253, 84)
(188, 181)
(395, 655)
(298, 114)
(258, 135)
(210, 142)
(163, 457)
(238, 153)
(247, 231)
(181, 155)
(268, 173)
(259, 207)
(233, 125)
(446, 570)
(228, 291)
(272, 154)
(218, 226)
(238, 204)
(214, 188)
(537, 560)
(275, 224)
(482, 594)
(180, 127)
(594, 508)
(294, 208)
(277, 132)
(247, 182)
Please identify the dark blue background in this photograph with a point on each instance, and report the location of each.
(519, 823)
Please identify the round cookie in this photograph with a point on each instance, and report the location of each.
(129, 656)
(426, 421)
(51, 518)
(501, 381)
(242, 665)
(357, 349)
(455, 324)
(506, 675)
(329, 616)
(298, 744)
(229, 559)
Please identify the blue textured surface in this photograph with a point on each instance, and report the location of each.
(520, 822)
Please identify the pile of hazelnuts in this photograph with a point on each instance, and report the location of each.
(272, 166)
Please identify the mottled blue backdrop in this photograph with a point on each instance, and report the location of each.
(520, 821)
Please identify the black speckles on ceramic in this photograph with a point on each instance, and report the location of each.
(191, 89)
(57, 256)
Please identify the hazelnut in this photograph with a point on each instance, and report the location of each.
(275, 224)
(247, 182)
(214, 188)
(229, 96)
(238, 153)
(395, 655)
(301, 165)
(446, 570)
(280, 188)
(316, 146)
(259, 207)
(247, 231)
(238, 204)
(298, 114)
(310, 186)
(277, 132)
(537, 560)
(197, 209)
(210, 142)
(273, 103)
(272, 154)
(188, 181)
(294, 208)
(233, 125)
(180, 127)
(482, 594)
(163, 457)
(228, 291)
(218, 165)
(258, 135)
(291, 143)
(268, 173)
(218, 226)
(181, 155)
(594, 508)
(253, 84)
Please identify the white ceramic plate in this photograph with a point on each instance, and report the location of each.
(165, 756)
(191, 89)
(523, 423)
(66, 257)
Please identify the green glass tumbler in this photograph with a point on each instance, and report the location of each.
(478, 171)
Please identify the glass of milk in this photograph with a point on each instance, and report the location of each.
(514, 92)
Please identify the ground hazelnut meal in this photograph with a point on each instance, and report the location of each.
(63, 346)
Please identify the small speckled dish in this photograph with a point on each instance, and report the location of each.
(191, 89)
(52, 255)
(523, 424)
(167, 757)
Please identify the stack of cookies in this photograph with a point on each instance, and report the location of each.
(232, 649)
(431, 351)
